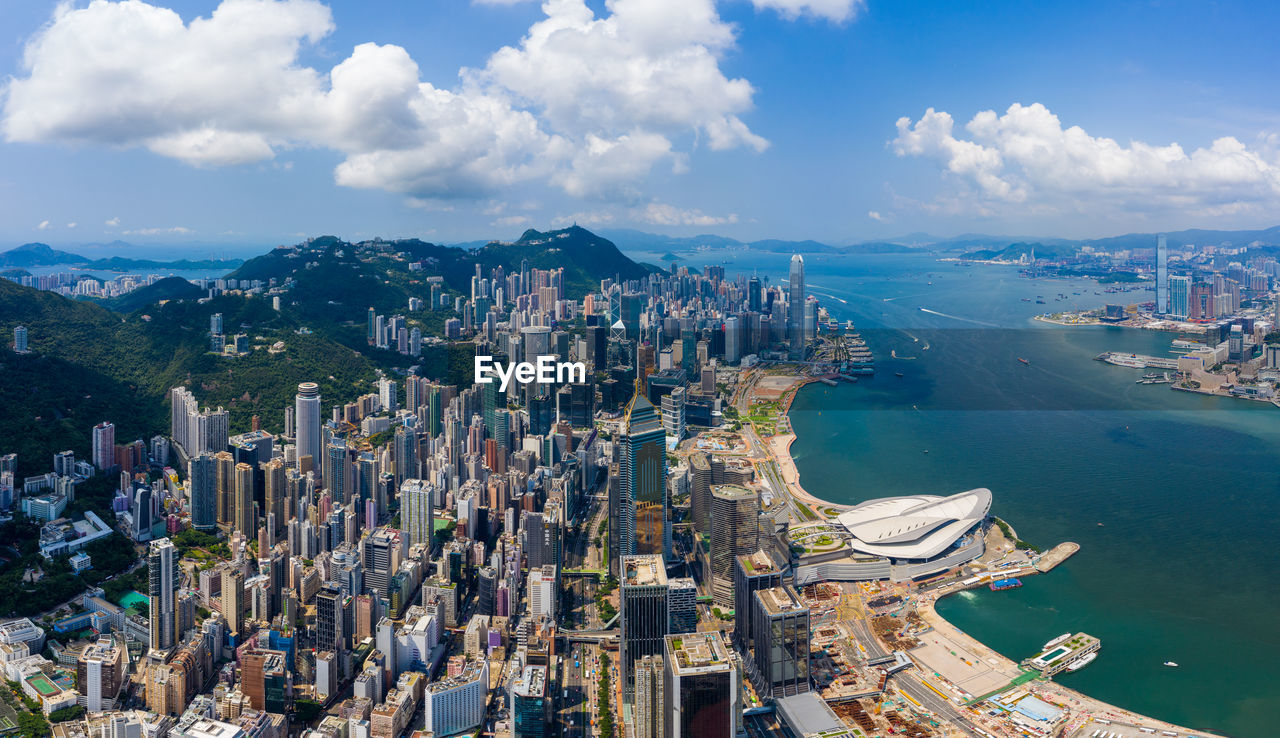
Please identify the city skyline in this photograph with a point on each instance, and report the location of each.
(916, 125)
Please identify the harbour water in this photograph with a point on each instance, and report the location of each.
(1184, 565)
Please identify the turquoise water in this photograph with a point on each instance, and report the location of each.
(1184, 567)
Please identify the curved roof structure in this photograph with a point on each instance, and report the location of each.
(915, 526)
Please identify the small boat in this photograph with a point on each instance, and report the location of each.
(1099, 525)
(1082, 662)
(1056, 641)
(926, 450)
(1024, 361)
(1170, 663)
(897, 374)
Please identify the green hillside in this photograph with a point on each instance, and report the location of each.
(169, 288)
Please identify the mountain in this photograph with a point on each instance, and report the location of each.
(586, 257)
(1016, 251)
(169, 288)
(878, 247)
(38, 254)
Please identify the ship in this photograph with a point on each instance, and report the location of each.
(1083, 661)
(899, 374)
(1024, 361)
(1132, 361)
(1170, 663)
(1039, 302)
(1055, 641)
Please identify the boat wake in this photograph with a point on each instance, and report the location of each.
(957, 317)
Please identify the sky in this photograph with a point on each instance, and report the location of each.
(199, 122)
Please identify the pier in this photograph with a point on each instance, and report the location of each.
(1055, 556)
(1062, 655)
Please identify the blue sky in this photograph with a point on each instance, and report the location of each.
(750, 118)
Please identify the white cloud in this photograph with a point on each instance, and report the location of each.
(658, 213)
(44, 226)
(838, 11)
(585, 218)
(72, 224)
(113, 222)
(173, 231)
(588, 103)
(511, 220)
(1025, 159)
(875, 215)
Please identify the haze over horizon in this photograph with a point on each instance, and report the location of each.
(833, 120)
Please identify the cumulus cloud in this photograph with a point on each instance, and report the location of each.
(113, 222)
(44, 226)
(588, 103)
(72, 224)
(838, 11)
(658, 213)
(1026, 159)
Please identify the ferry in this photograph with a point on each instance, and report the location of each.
(1182, 343)
(1024, 361)
(1082, 662)
(1170, 663)
(1060, 639)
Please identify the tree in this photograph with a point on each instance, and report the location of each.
(67, 713)
(306, 710)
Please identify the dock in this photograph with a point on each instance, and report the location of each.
(1056, 555)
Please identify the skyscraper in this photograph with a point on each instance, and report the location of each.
(780, 627)
(643, 481)
(1162, 276)
(1179, 297)
(306, 413)
(243, 518)
(795, 306)
(734, 533)
(20, 339)
(702, 698)
(233, 598)
(202, 484)
(651, 704)
(416, 511)
(643, 616)
(161, 566)
(104, 446)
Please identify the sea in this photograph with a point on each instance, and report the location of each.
(1172, 496)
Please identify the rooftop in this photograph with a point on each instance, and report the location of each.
(779, 600)
(696, 652)
(644, 570)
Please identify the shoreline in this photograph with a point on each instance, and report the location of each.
(1078, 704)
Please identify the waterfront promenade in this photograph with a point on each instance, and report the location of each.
(964, 667)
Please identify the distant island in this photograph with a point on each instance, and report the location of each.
(43, 255)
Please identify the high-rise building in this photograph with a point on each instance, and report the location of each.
(530, 706)
(243, 518)
(795, 306)
(734, 532)
(642, 470)
(650, 711)
(104, 446)
(542, 593)
(162, 584)
(752, 573)
(330, 621)
(1162, 276)
(405, 453)
(456, 704)
(1179, 297)
(100, 673)
(274, 492)
(263, 679)
(20, 339)
(673, 413)
(702, 695)
(202, 485)
(780, 627)
(643, 615)
(306, 413)
(682, 605)
(233, 603)
(416, 515)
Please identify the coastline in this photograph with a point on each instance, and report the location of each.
(1082, 708)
